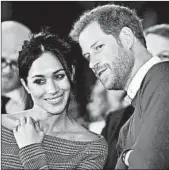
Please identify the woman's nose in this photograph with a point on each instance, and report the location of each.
(52, 87)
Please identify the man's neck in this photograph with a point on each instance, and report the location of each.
(16, 94)
(4, 93)
(141, 56)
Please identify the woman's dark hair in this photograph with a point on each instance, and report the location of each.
(40, 43)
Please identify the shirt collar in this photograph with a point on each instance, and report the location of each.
(138, 78)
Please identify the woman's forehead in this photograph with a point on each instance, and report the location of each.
(46, 63)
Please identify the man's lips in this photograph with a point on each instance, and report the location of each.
(7, 76)
(99, 73)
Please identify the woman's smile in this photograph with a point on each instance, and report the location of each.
(55, 100)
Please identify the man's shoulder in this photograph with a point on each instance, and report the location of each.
(158, 73)
(155, 82)
(160, 68)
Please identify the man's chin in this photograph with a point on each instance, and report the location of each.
(6, 90)
(111, 86)
(7, 87)
(5, 80)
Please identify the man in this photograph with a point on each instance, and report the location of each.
(157, 40)
(13, 93)
(111, 38)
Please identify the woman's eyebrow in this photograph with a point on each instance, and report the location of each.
(58, 71)
(40, 76)
(37, 76)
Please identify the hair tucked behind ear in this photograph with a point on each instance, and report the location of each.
(28, 101)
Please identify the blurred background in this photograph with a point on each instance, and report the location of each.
(60, 16)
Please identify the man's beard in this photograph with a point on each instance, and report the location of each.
(121, 70)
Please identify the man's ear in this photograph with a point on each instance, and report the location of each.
(126, 37)
(25, 86)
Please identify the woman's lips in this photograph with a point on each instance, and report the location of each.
(54, 100)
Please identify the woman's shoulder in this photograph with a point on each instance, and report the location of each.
(83, 134)
(9, 120)
(95, 141)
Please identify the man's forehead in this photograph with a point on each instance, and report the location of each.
(10, 55)
(12, 41)
(11, 47)
(91, 34)
(14, 28)
(13, 35)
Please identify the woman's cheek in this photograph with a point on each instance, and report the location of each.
(36, 92)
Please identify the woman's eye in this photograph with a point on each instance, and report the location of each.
(39, 82)
(59, 76)
(99, 47)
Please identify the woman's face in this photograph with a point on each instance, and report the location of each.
(48, 84)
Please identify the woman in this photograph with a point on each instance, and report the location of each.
(44, 137)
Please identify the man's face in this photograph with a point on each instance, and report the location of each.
(9, 79)
(158, 46)
(109, 60)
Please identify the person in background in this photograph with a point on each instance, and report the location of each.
(109, 110)
(102, 102)
(112, 40)
(157, 40)
(97, 107)
(45, 137)
(116, 117)
(12, 93)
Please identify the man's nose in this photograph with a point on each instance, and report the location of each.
(94, 61)
(7, 69)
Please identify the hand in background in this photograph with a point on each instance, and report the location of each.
(27, 132)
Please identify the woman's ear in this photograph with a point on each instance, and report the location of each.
(25, 86)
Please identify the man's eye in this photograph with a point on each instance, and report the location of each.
(59, 76)
(99, 47)
(39, 82)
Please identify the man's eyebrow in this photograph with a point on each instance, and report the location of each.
(94, 44)
(39, 75)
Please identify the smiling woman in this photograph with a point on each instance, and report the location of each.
(45, 137)
(48, 84)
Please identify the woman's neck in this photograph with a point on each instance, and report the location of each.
(50, 122)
